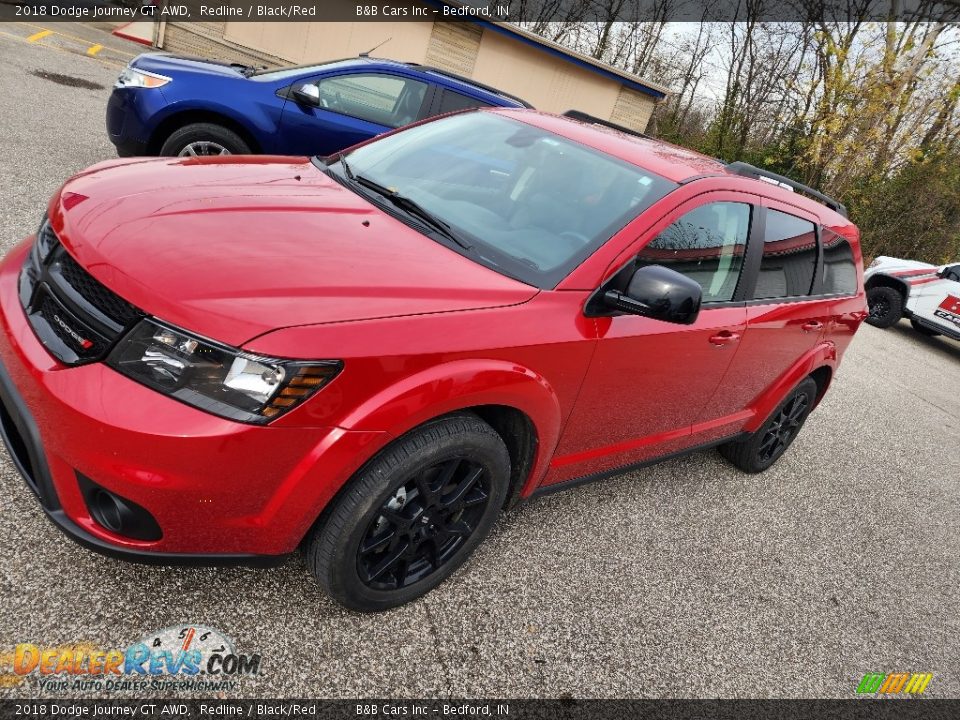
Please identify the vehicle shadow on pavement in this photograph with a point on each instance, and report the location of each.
(939, 344)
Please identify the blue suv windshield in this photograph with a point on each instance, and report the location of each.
(530, 203)
(295, 71)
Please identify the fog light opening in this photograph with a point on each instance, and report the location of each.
(116, 513)
(106, 511)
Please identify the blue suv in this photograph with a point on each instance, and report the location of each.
(169, 105)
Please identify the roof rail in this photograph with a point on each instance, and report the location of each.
(584, 117)
(747, 170)
(470, 81)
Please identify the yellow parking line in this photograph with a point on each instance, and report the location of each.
(21, 38)
(80, 39)
(39, 36)
(94, 49)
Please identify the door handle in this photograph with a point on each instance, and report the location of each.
(724, 337)
(812, 325)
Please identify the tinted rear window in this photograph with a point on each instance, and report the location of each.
(451, 101)
(839, 269)
(789, 257)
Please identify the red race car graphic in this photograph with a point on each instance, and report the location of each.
(949, 310)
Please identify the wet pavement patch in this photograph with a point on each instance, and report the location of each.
(68, 80)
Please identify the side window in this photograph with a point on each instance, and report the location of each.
(451, 101)
(383, 99)
(707, 245)
(839, 270)
(789, 257)
(952, 273)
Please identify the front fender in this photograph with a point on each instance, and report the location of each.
(463, 384)
(889, 280)
(823, 355)
(257, 122)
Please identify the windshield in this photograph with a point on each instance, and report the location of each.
(530, 204)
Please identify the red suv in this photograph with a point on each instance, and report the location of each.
(218, 360)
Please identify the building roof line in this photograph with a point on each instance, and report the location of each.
(627, 78)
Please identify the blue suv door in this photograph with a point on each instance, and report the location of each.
(353, 106)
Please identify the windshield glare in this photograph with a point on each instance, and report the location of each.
(534, 205)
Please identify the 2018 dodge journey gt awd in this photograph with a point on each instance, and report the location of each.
(370, 355)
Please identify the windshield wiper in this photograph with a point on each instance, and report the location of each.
(346, 168)
(411, 206)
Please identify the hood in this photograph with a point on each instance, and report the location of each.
(166, 64)
(898, 266)
(234, 247)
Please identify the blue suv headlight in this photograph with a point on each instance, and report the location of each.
(134, 78)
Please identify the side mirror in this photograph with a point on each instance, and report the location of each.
(660, 293)
(307, 94)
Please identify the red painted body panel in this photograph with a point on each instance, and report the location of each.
(670, 161)
(271, 255)
(646, 386)
(259, 243)
(214, 486)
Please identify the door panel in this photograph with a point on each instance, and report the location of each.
(647, 383)
(355, 107)
(316, 131)
(650, 380)
(783, 324)
(777, 336)
(936, 299)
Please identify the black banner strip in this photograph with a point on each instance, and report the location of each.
(865, 709)
(514, 11)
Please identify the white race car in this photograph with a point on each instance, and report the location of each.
(927, 294)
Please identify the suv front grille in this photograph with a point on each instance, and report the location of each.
(75, 316)
(101, 297)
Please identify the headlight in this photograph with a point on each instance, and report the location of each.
(45, 243)
(216, 378)
(131, 77)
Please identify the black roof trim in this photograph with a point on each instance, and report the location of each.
(747, 170)
(584, 117)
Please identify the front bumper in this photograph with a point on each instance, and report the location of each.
(129, 118)
(22, 439)
(221, 492)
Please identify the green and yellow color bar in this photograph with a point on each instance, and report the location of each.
(894, 683)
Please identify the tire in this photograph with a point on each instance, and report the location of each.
(759, 451)
(923, 329)
(380, 545)
(886, 306)
(215, 139)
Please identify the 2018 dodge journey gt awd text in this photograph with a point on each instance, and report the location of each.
(370, 355)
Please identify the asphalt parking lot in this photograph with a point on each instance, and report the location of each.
(686, 579)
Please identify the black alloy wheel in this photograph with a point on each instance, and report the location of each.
(880, 308)
(423, 524)
(763, 448)
(885, 306)
(782, 428)
(412, 515)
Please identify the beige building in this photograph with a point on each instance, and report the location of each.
(546, 75)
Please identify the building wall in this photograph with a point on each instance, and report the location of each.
(317, 42)
(206, 39)
(546, 81)
(454, 47)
